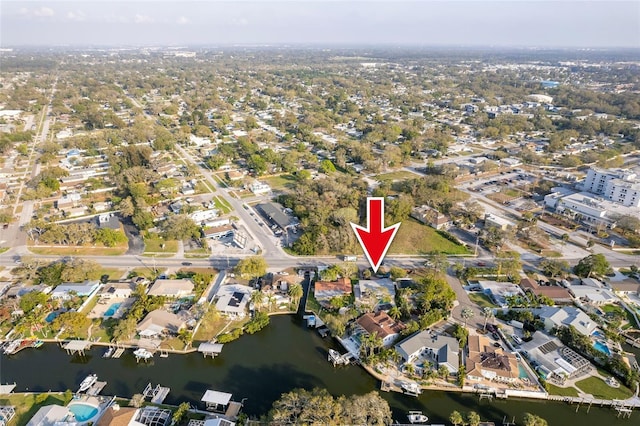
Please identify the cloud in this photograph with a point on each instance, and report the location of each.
(240, 22)
(76, 16)
(183, 20)
(43, 11)
(143, 19)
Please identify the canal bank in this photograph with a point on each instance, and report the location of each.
(260, 367)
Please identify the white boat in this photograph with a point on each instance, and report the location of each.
(12, 347)
(417, 418)
(143, 353)
(88, 382)
(109, 352)
(411, 388)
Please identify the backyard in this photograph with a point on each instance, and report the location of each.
(26, 405)
(600, 389)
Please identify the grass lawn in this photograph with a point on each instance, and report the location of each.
(143, 272)
(27, 405)
(396, 176)
(416, 238)
(114, 274)
(556, 390)
(88, 251)
(280, 181)
(481, 300)
(599, 389)
(222, 204)
(3, 249)
(158, 245)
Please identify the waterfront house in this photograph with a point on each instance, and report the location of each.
(444, 350)
(49, 415)
(484, 361)
(117, 416)
(566, 316)
(380, 324)
(233, 300)
(158, 322)
(171, 288)
(324, 291)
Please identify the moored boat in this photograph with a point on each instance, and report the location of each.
(12, 347)
(88, 382)
(109, 352)
(143, 353)
(411, 388)
(416, 417)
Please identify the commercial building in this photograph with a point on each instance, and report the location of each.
(618, 185)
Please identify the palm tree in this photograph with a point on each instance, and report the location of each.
(295, 293)
(395, 313)
(456, 418)
(467, 313)
(473, 419)
(257, 298)
(443, 372)
(487, 313)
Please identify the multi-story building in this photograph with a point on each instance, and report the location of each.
(618, 185)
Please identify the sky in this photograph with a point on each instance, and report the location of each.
(502, 23)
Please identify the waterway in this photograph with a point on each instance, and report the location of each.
(260, 367)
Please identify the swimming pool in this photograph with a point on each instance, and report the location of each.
(523, 372)
(52, 315)
(83, 412)
(598, 345)
(112, 309)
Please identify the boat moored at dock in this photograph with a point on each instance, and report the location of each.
(88, 382)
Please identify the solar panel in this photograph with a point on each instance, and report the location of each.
(548, 347)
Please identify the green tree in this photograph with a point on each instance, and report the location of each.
(179, 227)
(251, 267)
(295, 293)
(466, 314)
(326, 167)
(593, 264)
(487, 313)
(110, 237)
(31, 300)
(533, 420)
(179, 414)
(473, 418)
(72, 324)
(456, 418)
(554, 267)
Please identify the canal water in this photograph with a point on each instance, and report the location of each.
(259, 368)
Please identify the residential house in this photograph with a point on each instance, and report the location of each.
(555, 293)
(158, 322)
(380, 324)
(67, 290)
(204, 215)
(233, 300)
(626, 287)
(68, 201)
(566, 316)
(117, 416)
(49, 415)
(258, 188)
(275, 215)
(443, 349)
(120, 290)
(171, 288)
(324, 291)
(430, 216)
(499, 291)
(484, 361)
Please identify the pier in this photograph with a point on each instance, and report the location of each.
(335, 358)
(210, 349)
(96, 388)
(157, 394)
(77, 347)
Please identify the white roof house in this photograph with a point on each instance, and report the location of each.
(233, 299)
(258, 187)
(567, 316)
(67, 290)
(117, 291)
(171, 288)
(49, 415)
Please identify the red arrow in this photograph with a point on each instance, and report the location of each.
(375, 239)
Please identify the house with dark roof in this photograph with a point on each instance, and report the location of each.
(159, 322)
(555, 293)
(233, 300)
(444, 350)
(380, 324)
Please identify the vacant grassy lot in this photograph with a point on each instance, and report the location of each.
(280, 182)
(416, 238)
(555, 390)
(75, 250)
(158, 245)
(396, 176)
(481, 300)
(599, 389)
(27, 405)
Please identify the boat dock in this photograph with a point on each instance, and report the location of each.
(118, 353)
(77, 347)
(157, 394)
(210, 349)
(96, 388)
(336, 358)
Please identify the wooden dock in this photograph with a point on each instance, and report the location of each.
(157, 394)
(96, 388)
(118, 353)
